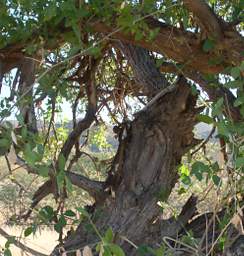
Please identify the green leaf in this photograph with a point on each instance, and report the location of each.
(106, 250)
(218, 107)
(70, 213)
(10, 240)
(222, 129)
(160, 251)
(239, 101)
(108, 237)
(153, 33)
(184, 170)
(98, 247)
(61, 162)
(50, 12)
(138, 35)
(60, 224)
(95, 51)
(215, 167)
(208, 45)
(7, 252)
(239, 162)
(235, 72)
(234, 84)
(28, 231)
(198, 168)
(159, 62)
(43, 170)
(83, 212)
(242, 110)
(145, 250)
(185, 179)
(181, 191)
(30, 155)
(5, 143)
(46, 213)
(68, 184)
(77, 31)
(4, 146)
(116, 250)
(216, 180)
(60, 179)
(205, 119)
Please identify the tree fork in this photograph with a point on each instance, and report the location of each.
(155, 142)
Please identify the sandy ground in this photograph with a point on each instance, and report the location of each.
(43, 241)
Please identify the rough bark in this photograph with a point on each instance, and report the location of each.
(182, 46)
(25, 91)
(151, 146)
(213, 93)
(146, 74)
(154, 144)
(208, 20)
(185, 47)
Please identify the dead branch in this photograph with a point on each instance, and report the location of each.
(94, 188)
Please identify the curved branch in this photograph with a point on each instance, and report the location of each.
(94, 188)
(144, 68)
(207, 18)
(91, 186)
(173, 226)
(174, 43)
(213, 93)
(85, 123)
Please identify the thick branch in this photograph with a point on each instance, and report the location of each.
(175, 43)
(207, 18)
(25, 91)
(172, 226)
(94, 188)
(213, 93)
(76, 178)
(144, 68)
(42, 192)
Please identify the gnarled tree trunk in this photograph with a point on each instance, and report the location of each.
(145, 172)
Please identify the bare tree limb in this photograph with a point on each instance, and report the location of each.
(175, 43)
(207, 18)
(26, 105)
(140, 61)
(172, 226)
(85, 123)
(213, 93)
(43, 191)
(204, 142)
(94, 188)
